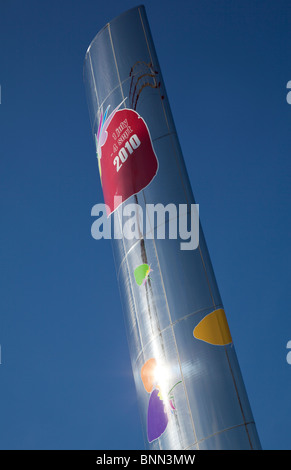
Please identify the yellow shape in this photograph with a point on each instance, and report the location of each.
(214, 329)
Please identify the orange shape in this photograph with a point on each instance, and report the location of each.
(213, 329)
(148, 374)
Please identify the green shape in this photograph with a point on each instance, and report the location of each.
(140, 273)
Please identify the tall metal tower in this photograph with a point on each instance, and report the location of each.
(190, 389)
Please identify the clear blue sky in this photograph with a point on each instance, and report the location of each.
(65, 373)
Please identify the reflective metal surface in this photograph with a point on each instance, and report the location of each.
(189, 386)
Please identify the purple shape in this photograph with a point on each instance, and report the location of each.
(157, 416)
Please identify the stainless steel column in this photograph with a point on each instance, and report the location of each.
(189, 386)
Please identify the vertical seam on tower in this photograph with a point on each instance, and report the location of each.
(120, 85)
(206, 275)
(95, 88)
(238, 397)
(174, 337)
(165, 295)
(179, 169)
(131, 288)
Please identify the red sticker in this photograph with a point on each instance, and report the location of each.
(127, 160)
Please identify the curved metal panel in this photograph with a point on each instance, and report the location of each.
(189, 386)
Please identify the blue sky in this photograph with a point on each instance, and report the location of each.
(65, 373)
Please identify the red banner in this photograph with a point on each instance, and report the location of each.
(128, 160)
